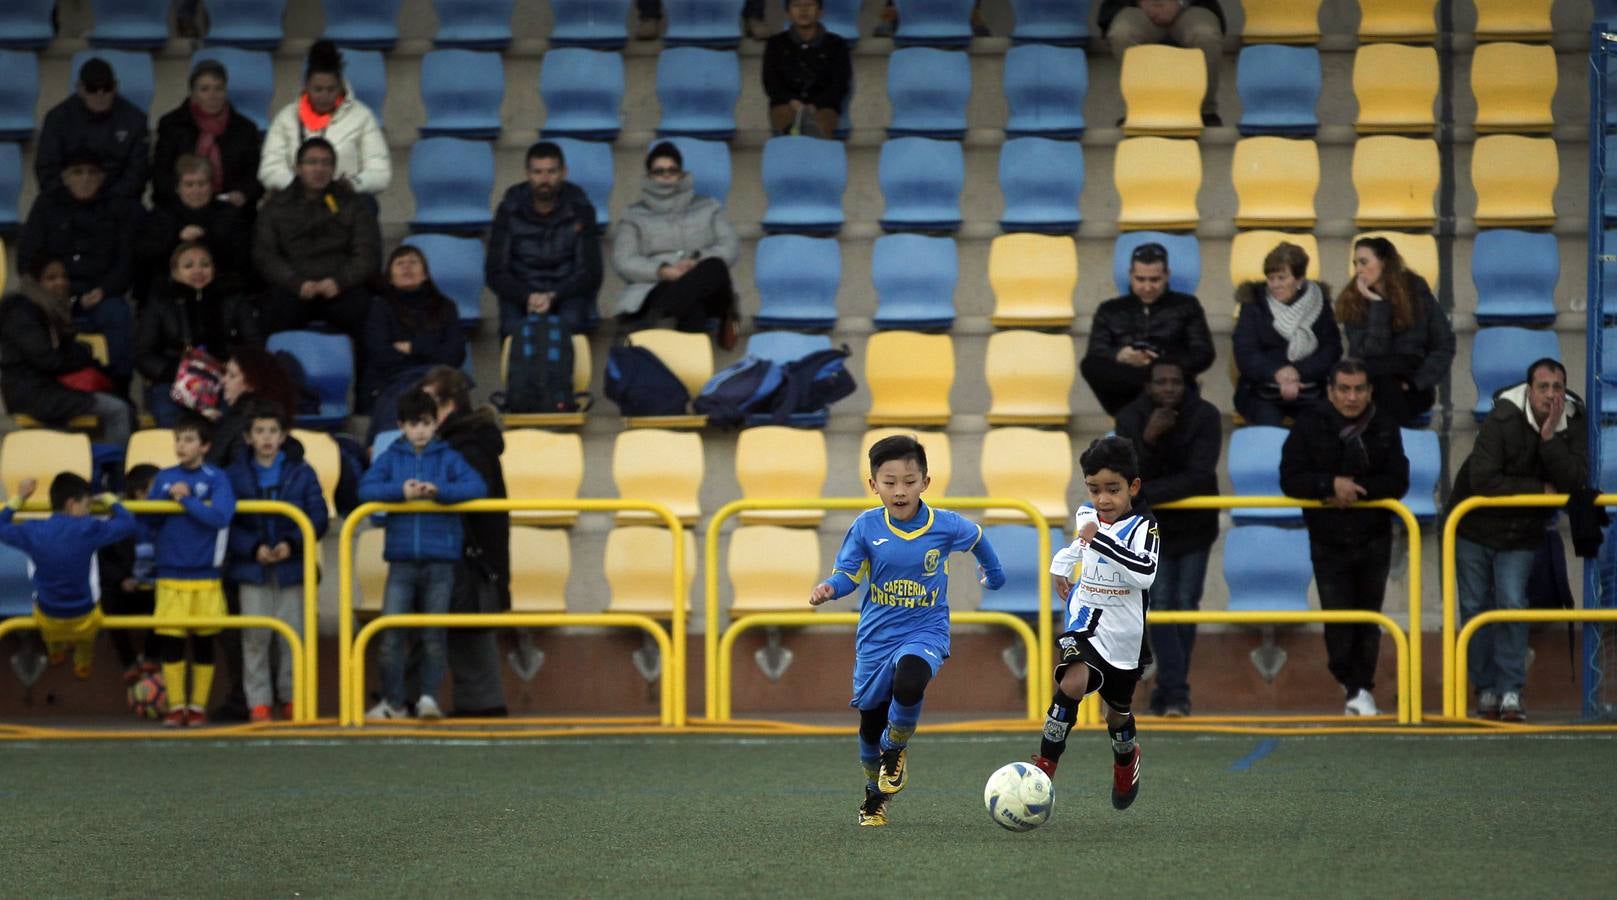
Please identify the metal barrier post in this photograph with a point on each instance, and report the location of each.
(1462, 643)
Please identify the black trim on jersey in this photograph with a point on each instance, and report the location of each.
(1126, 557)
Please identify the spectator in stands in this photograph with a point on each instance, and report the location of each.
(544, 254)
(195, 212)
(128, 576)
(807, 74)
(674, 250)
(1147, 323)
(207, 125)
(1177, 436)
(1535, 441)
(1341, 451)
(1197, 24)
(327, 108)
(651, 19)
(1395, 325)
(83, 224)
(99, 122)
(190, 311)
(251, 374)
(39, 349)
(483, 580)
(1286, 339)
(412, 327)
(888, 26)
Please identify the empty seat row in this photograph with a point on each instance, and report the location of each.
(1406, 21)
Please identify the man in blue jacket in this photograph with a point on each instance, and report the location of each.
(544, 257)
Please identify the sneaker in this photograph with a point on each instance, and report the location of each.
(1176, 711)
(1361, 704)
(385, 710)
(195, 716)
(427, 708)
(873, 812)
(1046, 765)
(758, 29)
(1126, 781)
(648, 29)
(287, 712)
(1487, 705)
(894, 773)
(175, 718)
(1510, 707)
(260, 713)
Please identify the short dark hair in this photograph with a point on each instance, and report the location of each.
(897, 447)
(1170, 361)
(1286, 256)
(1149, 253)
(1347, 365)
(67, 486)
(545, 150)
(140, 474)
(417, 405)
(195, 423)
(1551, 362)
(36, 265)
(264, 409)
(316, 143)
(96, 74)
(665, 149)
(1111, 452)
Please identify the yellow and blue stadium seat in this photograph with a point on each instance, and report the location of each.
(462, 91)
(153, 446)
(931, 23)
(1515, 273)
(928, 89)
(1396, 86)
(42, 454)
(129, 24)
(1515, 179)
(803, 181)
(1041, 180)
(1500, 356)
(1030, 376)
(1395, 178)
(1425, 454)
(473, 24)
(321, 453)
(590, 166)
(1402, 21)
(1514, 84)
(921, 180)
(19, 94)
(10, 186)
(1254, 468)
(639, 564)
(798, 278)
(1418, 250)
(28, 24)
(915, 277)
(597, 24)
(771, 568)
(368, 24)
(543, 465)
(1513, 20)
(1157, 180)
(581, 383)
(1027, 464)
(1281, 21)
(1034, 277)
(708, 161)
(1267, 568)
(659, 466)
(1248, 249)
(777, 462)
(250, 24)
(697, 89)
(1163, 87)
(1184, 259)
(1045, 87)
(370, 570)
(451, 180)
(689, 355)
(1279, 88)
(582, 91)
(909, 375)
(328, 368)
(541, 563)
(1017, 547)
(1062, 23)
(701, 23)
(1276, 180)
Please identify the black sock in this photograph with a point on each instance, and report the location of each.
(1057, 724)
(1123, 740)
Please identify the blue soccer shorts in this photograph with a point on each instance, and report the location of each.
(873, 671)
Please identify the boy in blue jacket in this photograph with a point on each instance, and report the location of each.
(62, 549)
(189, 550)
(266, 551)
(422, 549)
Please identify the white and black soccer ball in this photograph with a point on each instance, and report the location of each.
(1019, 797)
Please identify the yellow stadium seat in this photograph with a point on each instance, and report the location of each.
(98, 351)
(1030, 376)
(1249, 248)
(1514, 20)
(370, 570)
(543, 465)
(42, 454)
(689, 355)
(1027, 464)
(1157, 180)
(1396, 87)
(1275, 179)
(1396, 178)
(1515, 179)
(910, 375)
(1163, 87)
(776, 462)
(321, 453)
(1514, 84)
(541, 562)
(581, 384)
(639, 564)
(1281, 22)
(772, 569)
(939, 459)
(1418, 250)
(98, 346)
(1404, 21)
(1033, 277)
(658, 466)
(150, 445)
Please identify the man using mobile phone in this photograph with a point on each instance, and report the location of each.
(1149, 322)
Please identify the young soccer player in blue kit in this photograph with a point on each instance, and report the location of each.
(903, 637)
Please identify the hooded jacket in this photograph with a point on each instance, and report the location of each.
(306, 238)
(362, 155)
(1175, 323)
(95, 237)
(177, 135)
(1316, 453)
(421, 537)
(1184, 463)
(36, 345)
(667, 224)
(1509, 457)
(118, 138)
(179, 316)
(476, 436)
(298, 486)
(532, 253)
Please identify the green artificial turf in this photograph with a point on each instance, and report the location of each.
(715, 816)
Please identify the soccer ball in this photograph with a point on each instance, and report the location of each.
(148, 697)
(1019, 797)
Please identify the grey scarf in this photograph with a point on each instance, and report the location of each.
(1294, 321)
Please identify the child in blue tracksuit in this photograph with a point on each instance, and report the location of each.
(266, 551)
(422, 549)
(62, 549)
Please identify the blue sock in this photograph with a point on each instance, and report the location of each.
(901, 721)
(870, 760)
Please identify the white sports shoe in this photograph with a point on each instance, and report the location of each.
(427, 708)
(1361, 704)
(385, 710)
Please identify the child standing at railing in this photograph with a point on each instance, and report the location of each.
(128, 582)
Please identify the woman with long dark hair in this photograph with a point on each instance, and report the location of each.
(251, 373)
(1395, 325)
(411, 327)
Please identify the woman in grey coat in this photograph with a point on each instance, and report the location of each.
(674, 250)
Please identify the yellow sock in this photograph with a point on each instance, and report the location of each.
(201, 684)
(174, 682)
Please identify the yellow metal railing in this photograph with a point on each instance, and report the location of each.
(351, 660)
(1454, 703)
(1462, 642)
(1039, 662)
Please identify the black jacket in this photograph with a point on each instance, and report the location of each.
(476, 435)
(228, 430)
(1110, 8)
(119, 139)
(530, 253)
(1175, 324)
(1315, 454)
(1182, 464)
(228, 237)
(402, 316)
(96, 238)
(239, 146)
(1421, 354)
(1509, 457)
(819, 72)
(1260, 350)
(177, 317)
(301, 238)
(32, 354)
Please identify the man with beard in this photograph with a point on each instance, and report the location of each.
(544, 256)
(1151, 321)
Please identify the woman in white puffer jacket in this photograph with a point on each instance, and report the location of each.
(327, 108)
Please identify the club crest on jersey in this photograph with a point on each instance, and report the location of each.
(929, 563)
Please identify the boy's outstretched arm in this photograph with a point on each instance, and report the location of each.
(990, 573)
(850, 567)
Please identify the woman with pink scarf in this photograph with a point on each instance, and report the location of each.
(207, 125)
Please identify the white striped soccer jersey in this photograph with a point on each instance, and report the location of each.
(1108, 603)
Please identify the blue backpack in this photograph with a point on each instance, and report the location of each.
(739, 390)
(813, 382)
(642, 385)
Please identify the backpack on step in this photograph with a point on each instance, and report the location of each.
(539, 371)
(813, 383)
(642, 385)
(739, 390)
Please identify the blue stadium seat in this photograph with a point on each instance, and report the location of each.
(1267, 568)
(1184, 259)
(1064, 23)
(252, 80)
(921, 180)
(1045, 89)
(1608, 377)
(1608, 459)
(1041, 180)
(462, 91)
(797, 279)
(785, 346)
(384, 440)
(19, 94)
(1515, 273)
(703, 23)
(1500, 357)
(362, 24)
(698, 89)
(129, 24)
(328, 368)
(582, 91)
(803, 180)
(1425, 454)
(590, 166)
(366, 71)
(709, 165)
(249, 24)
(598, 24)
(933, 23)
(927, 89)
(132, 68)
(1606, 11)
(1279, 88)
(456, 264)
(16, 588)
(26, 24)
(1608, 272)
(1609, 209)
(473, 24)
(1018, 549)
(842, 18)
(915, 278)
(451, 180)
(10, 187)
(1254, 464)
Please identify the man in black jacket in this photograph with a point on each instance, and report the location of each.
(1342, 451)
(807, 73)
(1147, 323)
(1177, 435)
(544, 254)
(98, 121)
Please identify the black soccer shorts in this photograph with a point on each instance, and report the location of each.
(1116, 686)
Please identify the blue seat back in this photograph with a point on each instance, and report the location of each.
(362, 24)
(473, 24)
(382, 441)
(785, 346)
(133, 70)
(803, 180)
(462, 91)
(1184, 259)
(1608, 459)
(933, 23)
(841, 17)
(1279, 88)
(706, 23)
(582, 91)
(1254, 465)
(10, 186)
(1045, 88)
(928, 89)
(589, 23)
(1515, 273)
(451, 179)
(16, 588)
(921, 180)
(590, 166)
(1018, 549)
(456, 264)
(1500, 357)
(366, 72)
(252, 80)
(797, 279)
(915, 278)
(1064, 23)
(250, 24)
(328, 369)
(1425, 455)
(698, 89)
(1041, 180)
(1267, 568)
(129, 24)
(19, 94)
(26, 24)
(709, 165)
